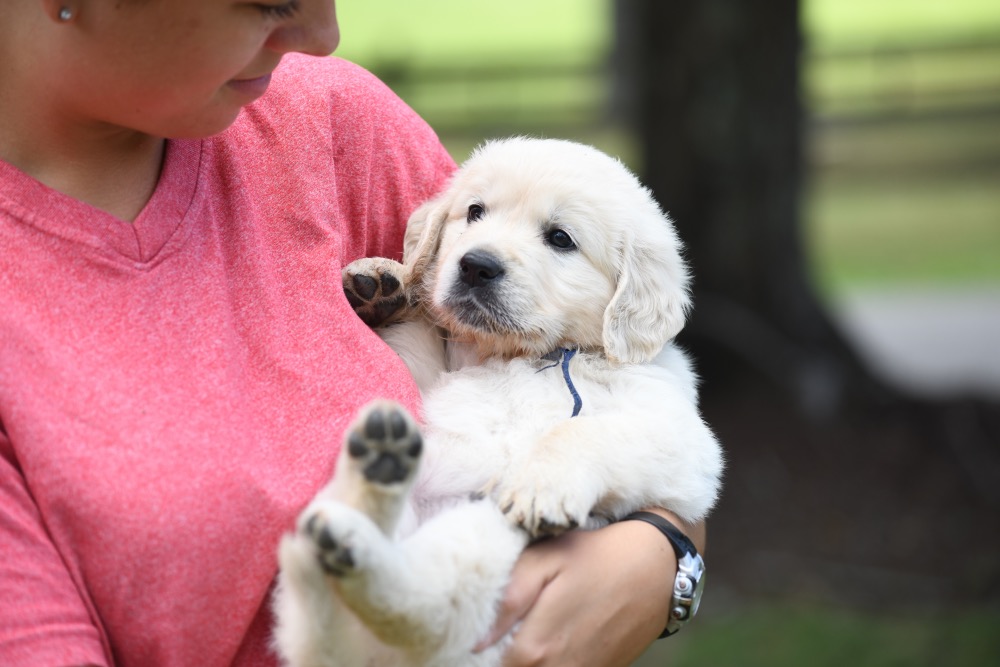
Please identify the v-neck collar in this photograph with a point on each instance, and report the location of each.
(139, 241)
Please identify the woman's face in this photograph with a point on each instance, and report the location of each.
(178, 68)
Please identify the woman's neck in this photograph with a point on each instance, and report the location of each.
(111, 169)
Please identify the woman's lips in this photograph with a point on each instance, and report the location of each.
(253, 88)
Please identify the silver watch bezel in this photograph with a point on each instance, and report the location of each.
(689, 584)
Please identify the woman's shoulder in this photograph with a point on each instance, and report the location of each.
(310, 73)
(314, 102)
(326, 118)
(335, 86)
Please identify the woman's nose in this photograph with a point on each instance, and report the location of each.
(313, 30)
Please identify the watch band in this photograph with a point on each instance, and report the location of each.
(690, 575)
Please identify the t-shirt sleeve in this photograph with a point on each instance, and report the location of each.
(368, 156)
(388, 161)
(43, 619)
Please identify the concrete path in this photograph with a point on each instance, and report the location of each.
(934, 341)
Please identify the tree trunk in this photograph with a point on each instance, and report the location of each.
(713, 88)
(829, 470)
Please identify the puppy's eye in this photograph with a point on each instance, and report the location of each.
(558, 238)
(476, 211)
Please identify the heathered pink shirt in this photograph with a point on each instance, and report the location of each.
(173, 391)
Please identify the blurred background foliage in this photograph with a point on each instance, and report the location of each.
(900, 214)
(902, 93)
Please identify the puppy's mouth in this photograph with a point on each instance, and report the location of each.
(480, 310)
(477, 299)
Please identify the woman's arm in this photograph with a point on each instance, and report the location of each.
(596, 598)
(43, 617)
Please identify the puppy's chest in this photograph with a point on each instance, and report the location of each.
(500, 408)
(483, 422)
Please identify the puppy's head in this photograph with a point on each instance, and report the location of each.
(538, 244)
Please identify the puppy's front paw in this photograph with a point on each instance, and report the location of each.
(376, 289)
(384, 444)
(545, 504)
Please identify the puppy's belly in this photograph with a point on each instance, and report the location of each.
(481, 417)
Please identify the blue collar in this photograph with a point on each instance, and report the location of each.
(561, 357)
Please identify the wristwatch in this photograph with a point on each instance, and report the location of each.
(690, 580)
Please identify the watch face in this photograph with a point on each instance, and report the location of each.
(699, 588)
(690, 568)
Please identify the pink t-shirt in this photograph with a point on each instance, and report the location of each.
(173, 391)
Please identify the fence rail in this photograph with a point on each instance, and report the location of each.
(872, 82)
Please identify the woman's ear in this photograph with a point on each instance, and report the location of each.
(650, 303)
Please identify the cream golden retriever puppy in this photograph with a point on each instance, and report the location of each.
(536, 306)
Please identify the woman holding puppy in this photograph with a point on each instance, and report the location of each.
(180, 185)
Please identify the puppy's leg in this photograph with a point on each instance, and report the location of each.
(557, 483)
(432, 596)
(380, 290)
(313, 626)
(462, 559)
(342, 567)
(345, 527)
(606, 466)
(378, 464)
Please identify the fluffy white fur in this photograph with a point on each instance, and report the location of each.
(396, 563)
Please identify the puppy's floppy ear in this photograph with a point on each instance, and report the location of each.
(423, 235)
(651, 300)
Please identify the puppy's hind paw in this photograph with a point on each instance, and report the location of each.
(341, 538)
(377, 291)
(385, 444)
(335, 557)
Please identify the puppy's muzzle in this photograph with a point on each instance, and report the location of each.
(477, 298)
(479, 269)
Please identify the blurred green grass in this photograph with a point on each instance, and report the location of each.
(915, 201)
(774, 635)
(944, 231)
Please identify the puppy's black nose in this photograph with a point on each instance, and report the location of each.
(478, 268)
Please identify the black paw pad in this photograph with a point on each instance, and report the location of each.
(389, 284)
(386, 308)
(397, 425)
(323, 537)
(356, 446)
(337, 562)
(385, 445)
(386, 469)
(365, 286)
(375, 425)
(416, 447)
(355, 300)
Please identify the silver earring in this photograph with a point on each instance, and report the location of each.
(65, 14)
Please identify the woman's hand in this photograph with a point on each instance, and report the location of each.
(595, 598)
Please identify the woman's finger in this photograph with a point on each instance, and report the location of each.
(531, 574)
